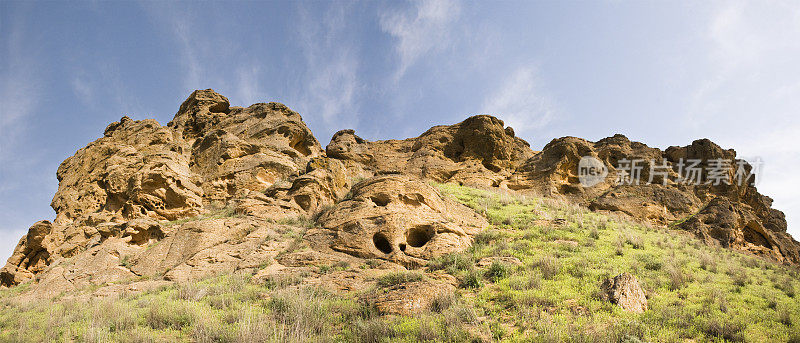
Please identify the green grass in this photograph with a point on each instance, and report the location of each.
(301, 221)
(695, 292)
(400, 277)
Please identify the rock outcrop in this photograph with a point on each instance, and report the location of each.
(211, 156)
(397, 218)
(224, 189)
(30, 257)
(477, 151)
(667, 192)
(139, 168)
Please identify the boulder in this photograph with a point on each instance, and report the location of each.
(408, 298)
(625, 291)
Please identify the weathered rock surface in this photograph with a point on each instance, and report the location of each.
(30, 256)
(139, 168)
(397, 218)
(248, 148)
(324, 182)
(477, 151)
(625, 291)
(409, 298)
(139, 174)
(737, 225)
(663, 198)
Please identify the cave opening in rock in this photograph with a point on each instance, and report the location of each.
(382, 243)
(752, 235)
(381, 200)
(419, 236)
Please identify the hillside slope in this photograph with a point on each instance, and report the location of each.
(534, 275)
(180, 230)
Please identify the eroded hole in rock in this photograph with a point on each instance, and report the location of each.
(570, 189)
(381, 199)
(219, 108)
(753, 236)
(304, 201)
(285, 132)
(491, 166)
(419, 236)
(402, 247)
(382, 243)
(300, 146)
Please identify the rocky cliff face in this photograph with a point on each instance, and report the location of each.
(116, 194)
(240, 174)
(730, 213)
(477, 151)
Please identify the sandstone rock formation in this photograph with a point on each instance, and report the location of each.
(477, 151)
(625, 291)
(324, 181)
(243, 148)
(397, 218)
(661, 196)
(30, 257)
(139, 168)
(409, 298)
(224, 189)
(208, 156)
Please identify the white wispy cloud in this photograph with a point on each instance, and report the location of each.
(209, 58)
(248, 86)
(190, 52)
(747, 97)
(332, 62)
(522, 101)
(176, 22)
(105, 90)
(19, 93)
(82, 89)
(422, 29)
(18, 89)
(751, 56)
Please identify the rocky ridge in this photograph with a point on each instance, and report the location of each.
(216, 189)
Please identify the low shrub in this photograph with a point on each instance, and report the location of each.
(549, 266)
(497, 270)
(401, 277)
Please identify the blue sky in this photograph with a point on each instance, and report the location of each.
(663, 73)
